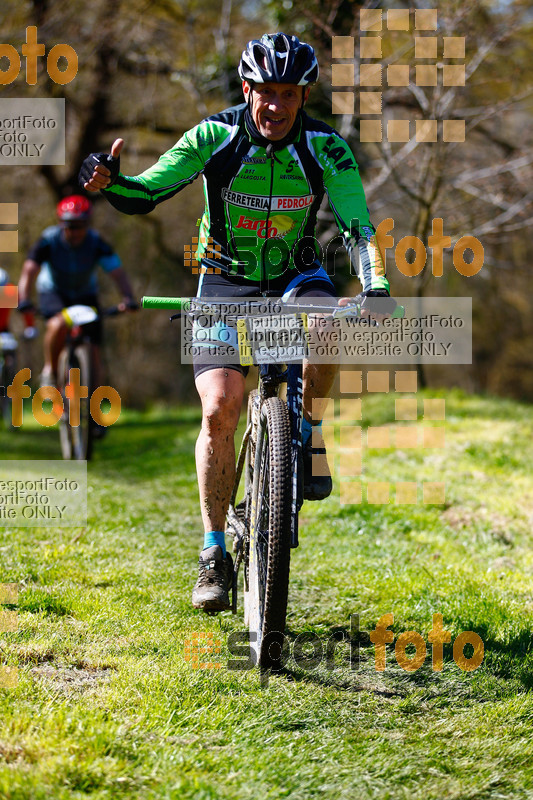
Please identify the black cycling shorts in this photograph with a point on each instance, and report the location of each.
(52, 302)
(314, 282)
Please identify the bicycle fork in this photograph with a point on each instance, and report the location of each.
(294, 403)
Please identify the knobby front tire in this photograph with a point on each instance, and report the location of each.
(76, 441)
(269, 553)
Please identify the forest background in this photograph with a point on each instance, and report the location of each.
(151, 69)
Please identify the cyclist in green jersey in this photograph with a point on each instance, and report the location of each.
(266, 166)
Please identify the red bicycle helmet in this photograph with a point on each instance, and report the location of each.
(74, 208)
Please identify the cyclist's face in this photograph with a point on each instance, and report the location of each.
(274, 106)
(74, 233)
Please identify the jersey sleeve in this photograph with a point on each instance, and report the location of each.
(347, 201)
(106, 256)
(40, 252)
(174, 170)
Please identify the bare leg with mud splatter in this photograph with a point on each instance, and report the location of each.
(221, 392)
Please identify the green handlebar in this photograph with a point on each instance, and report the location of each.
(183, 304)
(175, 303)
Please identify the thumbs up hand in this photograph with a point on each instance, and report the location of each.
(100, 170)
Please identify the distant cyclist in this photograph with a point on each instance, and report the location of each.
(63, 264)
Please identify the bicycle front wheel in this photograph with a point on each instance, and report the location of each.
(76, 440)
(269, 548)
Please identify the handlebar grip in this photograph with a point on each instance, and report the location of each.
(175, 303)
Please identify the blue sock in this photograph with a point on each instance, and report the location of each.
(212, 538)
(307, 429)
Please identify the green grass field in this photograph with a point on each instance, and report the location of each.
(108, 706)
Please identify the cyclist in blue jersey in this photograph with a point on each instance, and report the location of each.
(266, 167)
(63, 265)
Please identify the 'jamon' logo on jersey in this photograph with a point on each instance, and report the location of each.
(278, 225)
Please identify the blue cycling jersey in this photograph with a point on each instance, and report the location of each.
(71, 271)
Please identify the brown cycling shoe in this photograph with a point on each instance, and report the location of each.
(215, 576)
(317, 477)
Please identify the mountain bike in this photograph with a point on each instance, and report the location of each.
(77, 353)
(269, 470)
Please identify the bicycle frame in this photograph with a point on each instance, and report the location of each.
(79, 347)
(76, 442)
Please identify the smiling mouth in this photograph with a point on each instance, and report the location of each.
(275, 122)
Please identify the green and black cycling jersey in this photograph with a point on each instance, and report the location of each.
(261, 204)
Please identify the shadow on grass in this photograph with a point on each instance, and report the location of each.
(147, 448)
(336, 681)
(334, 659)
(39, 601)
(503, 660)
(30, 444)
(134, 433)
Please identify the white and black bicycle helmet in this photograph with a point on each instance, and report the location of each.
(278, 58)
(4, 277)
